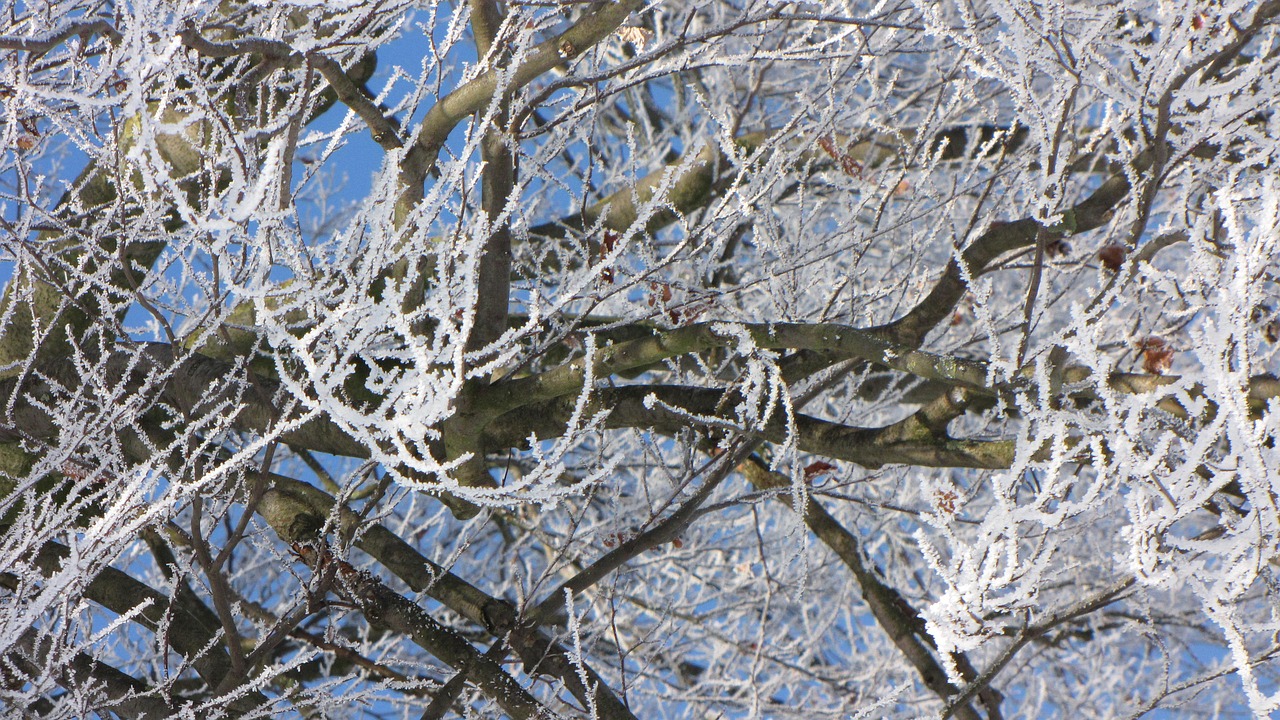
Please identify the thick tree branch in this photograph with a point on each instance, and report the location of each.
(690, 183)
(124, 694)
(1000, 238)
(539, 404)
(892, 612)
(295, 509)
(45, 43)
(486, 18)
(668, 409)
(840, 340)
(192, 631)
(493, 283)
(685, 185)
(348, 91)
(385, 607)
(476, 95)
(1092, 212)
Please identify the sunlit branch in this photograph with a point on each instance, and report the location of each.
(693, 181)
(842, 340)
(680, 407)
(474, 96)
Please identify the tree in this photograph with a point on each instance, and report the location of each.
(689, 358)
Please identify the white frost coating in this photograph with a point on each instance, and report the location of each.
(540, 484)
(266, 186)
(256, 462)
(760, 386)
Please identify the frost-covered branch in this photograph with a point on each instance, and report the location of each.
(347, 90)
(475, 95)
(671, 358)
(36, 656)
